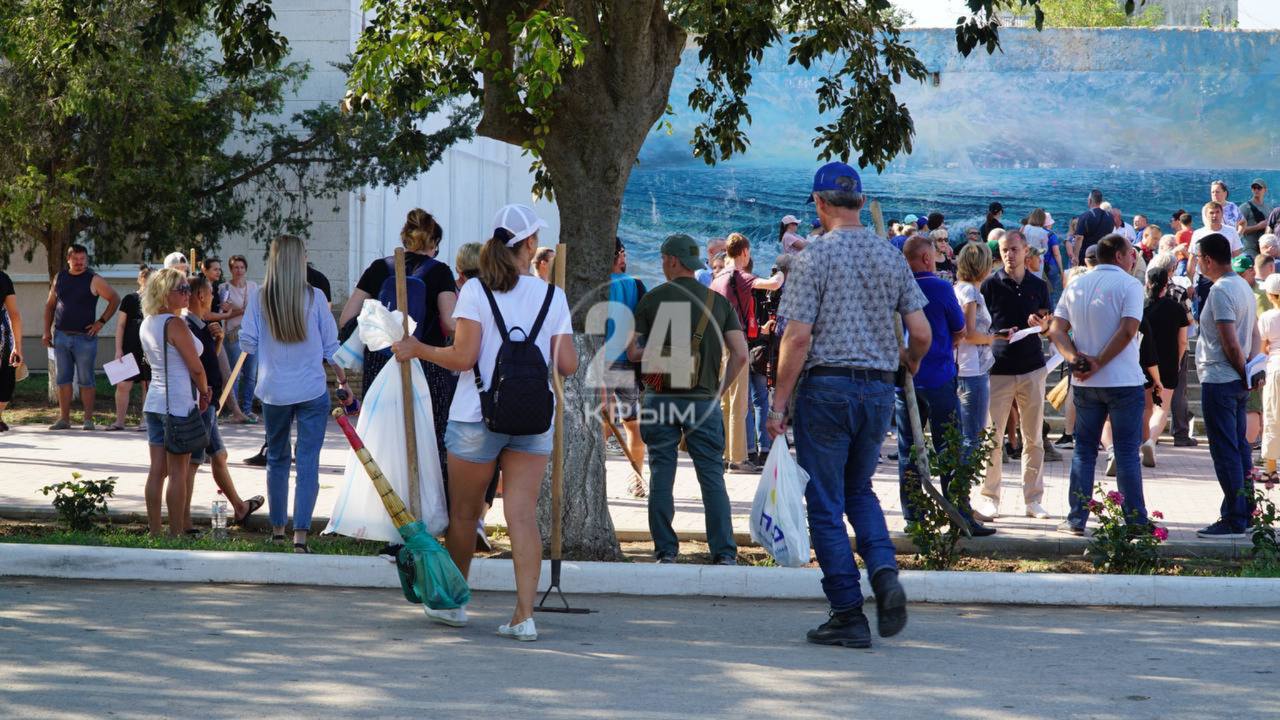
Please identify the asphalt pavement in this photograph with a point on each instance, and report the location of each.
(76, 649)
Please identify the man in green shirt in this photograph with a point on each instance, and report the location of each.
(681, 332)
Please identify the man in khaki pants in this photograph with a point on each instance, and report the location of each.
(736, 284)
(1016, 299)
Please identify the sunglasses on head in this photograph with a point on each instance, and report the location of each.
(184, 289)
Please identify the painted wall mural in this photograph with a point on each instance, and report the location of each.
(1148, 116)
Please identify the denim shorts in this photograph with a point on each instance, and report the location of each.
(155, 434)
(76, 354)
(474, 442)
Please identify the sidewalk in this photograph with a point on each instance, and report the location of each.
(1182, 486)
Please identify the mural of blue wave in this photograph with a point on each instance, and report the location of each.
(1148, 116)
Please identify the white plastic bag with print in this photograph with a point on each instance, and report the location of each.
(358, 511)
(778, 519)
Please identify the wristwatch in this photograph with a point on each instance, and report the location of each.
(777, 414)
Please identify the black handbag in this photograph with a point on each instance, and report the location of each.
(182, 435)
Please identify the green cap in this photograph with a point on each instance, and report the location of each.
(683, 248)
(1242, 263)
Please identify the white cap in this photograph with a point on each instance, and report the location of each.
(519, 220)
(790, 220)
(1048, 220)
(1271, 285)
(174, 259)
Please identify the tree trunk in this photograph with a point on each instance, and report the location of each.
(606, 109)
(587, 527)
(55, 243)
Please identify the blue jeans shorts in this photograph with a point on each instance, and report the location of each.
(76, 354)
(474, 442)
(155, 428)
(155, 434)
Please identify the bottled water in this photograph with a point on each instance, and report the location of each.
(219, 521)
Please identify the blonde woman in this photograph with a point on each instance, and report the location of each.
(174, 353)
(543, 261)
(973, 352)
(289, 326)
(466, 264)
(474, 450)
(128, 342)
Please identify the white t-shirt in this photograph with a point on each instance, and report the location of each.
(1037, 237)
(1094, 304)
(789, 241)
(519, 309)
(1228, 232)
(974, 360)
(1269, 329)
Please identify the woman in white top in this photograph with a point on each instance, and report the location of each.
(178, 387)
(235, 300)
(291, 329)
(473, 449)
(973, 353)
(1269, 329)
(788, 238)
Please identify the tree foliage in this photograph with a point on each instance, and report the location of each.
(1101, 13)
(115, 139)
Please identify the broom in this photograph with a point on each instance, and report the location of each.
(427, 573)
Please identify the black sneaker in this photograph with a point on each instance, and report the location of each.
(891, 602)
(1011, 452)
(666, 559)
(1220, 529)
(1065, 441)
(259, 460)
(977, 529)
(390, 552)
(727, 560)
(1185, 442)
(846, 629)
(1066, 527)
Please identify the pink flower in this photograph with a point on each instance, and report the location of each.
(1160, 533)
(1257, 512)
(1116, 497)
(1157, 515)
(1095, 507)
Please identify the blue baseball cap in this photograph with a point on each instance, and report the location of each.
(836, 176)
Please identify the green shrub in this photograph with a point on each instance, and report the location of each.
(932, 532)
(1118, 544)
(79, 502)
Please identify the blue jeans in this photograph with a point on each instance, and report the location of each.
(76, 354)
(758, 413)
(1224, 422)
(1093, 405)
(840, 424)
(975, 395)
(312, 416)
(247, 380)
(663, 420)
(939, 407)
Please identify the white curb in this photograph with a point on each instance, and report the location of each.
(587, 578)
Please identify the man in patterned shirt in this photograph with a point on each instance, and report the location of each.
(845, 294)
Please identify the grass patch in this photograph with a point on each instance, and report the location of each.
(31, 404)
(132, 536)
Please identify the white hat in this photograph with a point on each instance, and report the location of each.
(1271, 285)
(174, 259)
(790, 220)
(1048, 220)
(520, 221)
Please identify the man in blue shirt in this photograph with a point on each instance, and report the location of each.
(1092, 225)
(621, 377)
(935, 381)
(715, 246)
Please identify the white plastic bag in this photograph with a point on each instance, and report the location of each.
(778, 519)
(358, 511)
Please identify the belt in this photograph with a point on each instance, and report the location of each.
(883, 376)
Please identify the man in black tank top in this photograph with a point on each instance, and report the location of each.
(71, 327)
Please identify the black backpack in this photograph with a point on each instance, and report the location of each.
(518, 401)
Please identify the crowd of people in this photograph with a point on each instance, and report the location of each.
(719, 360)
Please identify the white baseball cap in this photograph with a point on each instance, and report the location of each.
(520, 221)
(174, 259)
(1271, 285)
(790, 220)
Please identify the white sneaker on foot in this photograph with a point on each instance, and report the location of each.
(1148, 454)
(1111, 464)
(1036, 510)
(985, 509)
(523, 631)
(454, 617)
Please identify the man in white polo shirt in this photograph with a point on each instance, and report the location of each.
(1095, 327)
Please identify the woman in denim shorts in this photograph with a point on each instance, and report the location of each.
(475, 451)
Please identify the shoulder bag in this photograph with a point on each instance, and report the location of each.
(182, 435)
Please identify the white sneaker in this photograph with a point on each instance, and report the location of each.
(1148, 454)
(455, 617)
(1036, 510)
(523, 631)
(985, 509)
(1111, 464)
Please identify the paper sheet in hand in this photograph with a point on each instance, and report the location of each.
(1028, 332)
(1055, 359)
(123, 369)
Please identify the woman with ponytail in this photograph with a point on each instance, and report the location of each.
(1164, 323)
(290, 328)
(505, 282)
(433, 310)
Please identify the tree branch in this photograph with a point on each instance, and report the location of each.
(260, 168)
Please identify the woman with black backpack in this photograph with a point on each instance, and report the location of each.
(510, 327)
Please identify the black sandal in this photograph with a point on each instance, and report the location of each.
(251, 506)
(302, 549)
(278, 538)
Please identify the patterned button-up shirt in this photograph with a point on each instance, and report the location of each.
(851, 286)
